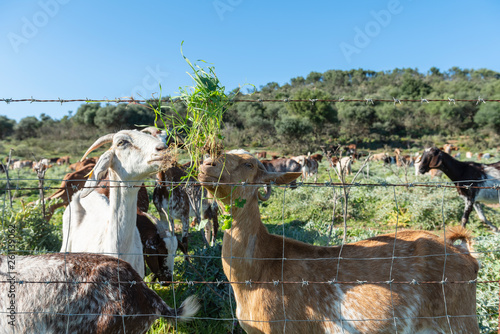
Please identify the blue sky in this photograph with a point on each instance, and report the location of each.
(70, 49)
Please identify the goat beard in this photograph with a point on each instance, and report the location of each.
(167, 161)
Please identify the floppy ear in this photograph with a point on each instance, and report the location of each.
(279, 178)
(436, 160)
(98, 172)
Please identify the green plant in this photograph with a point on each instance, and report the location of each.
(29, 232)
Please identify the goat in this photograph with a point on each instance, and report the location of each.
(309, 166)
(265, 304)
(159, 247)
(466, 176)
(447, 148)
(159, 243)
(176, 199)
(379, 156)
(82, 293)
(433, 172)
(304, 164)
(96, 224)
(313, 168)
(81, 164)
(63, 161)
(318, 157)
(283, 165)
(262, 154)
(41, 165)
(343, 165)
(484, 156)
(71, 182)
(22, 164)
(403, 160)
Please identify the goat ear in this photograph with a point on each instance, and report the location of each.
(280, 178)
(98, 173)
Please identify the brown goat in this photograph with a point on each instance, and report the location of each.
(281, 284)
(81, 164)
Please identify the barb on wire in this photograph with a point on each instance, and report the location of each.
(132, 100)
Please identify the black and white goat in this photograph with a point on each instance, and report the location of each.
(467, 176)
(80, 293)
(175, 197)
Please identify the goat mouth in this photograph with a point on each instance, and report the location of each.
(165, 161)
(205, 178)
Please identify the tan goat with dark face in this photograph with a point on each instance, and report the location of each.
(283, 285)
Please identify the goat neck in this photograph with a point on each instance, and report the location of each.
(247, 238)
(453, 168)
(123, 205)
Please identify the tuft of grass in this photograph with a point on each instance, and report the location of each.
(200, 124)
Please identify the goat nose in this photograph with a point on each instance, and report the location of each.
(209, 162)
(161, 147)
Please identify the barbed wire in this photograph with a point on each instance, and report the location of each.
(249, 282)
(132, 100)
(468, 184)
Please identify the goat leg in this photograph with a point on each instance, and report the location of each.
(469, 203)
(482, 217)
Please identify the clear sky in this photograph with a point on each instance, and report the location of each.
(98, 49)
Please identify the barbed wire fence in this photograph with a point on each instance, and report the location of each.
(302, 283)
(319, 185)
(132, 100)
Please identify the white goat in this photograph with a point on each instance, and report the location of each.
(79, 293)
(344, 166)
(283, 285)
(92, 222)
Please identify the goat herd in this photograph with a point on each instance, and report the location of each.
(392, 283)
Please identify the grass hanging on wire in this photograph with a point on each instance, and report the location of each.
(201, 125)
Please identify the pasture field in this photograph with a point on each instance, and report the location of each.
(310, 213)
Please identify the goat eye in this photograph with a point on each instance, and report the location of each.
(249, 165)
(122, 142)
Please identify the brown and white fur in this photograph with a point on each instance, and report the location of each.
(283, 285)
(80, 293)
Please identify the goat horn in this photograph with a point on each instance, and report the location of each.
(151, 130)
(266, 196)
(98, 143)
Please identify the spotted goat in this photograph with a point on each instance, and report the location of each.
(82, 293)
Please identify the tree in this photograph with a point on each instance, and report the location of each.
(6, 127)
(356, 120)
(314, 77)
(86, 113)
(27, 128)
(293, 128)
(317, 112)
(414, 88)
(488, 116)
(122, 116)
(298, 81)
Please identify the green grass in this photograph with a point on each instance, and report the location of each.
(304, 214)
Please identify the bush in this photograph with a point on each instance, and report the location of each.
(28, 232)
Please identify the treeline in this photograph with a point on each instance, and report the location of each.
(306, 125)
